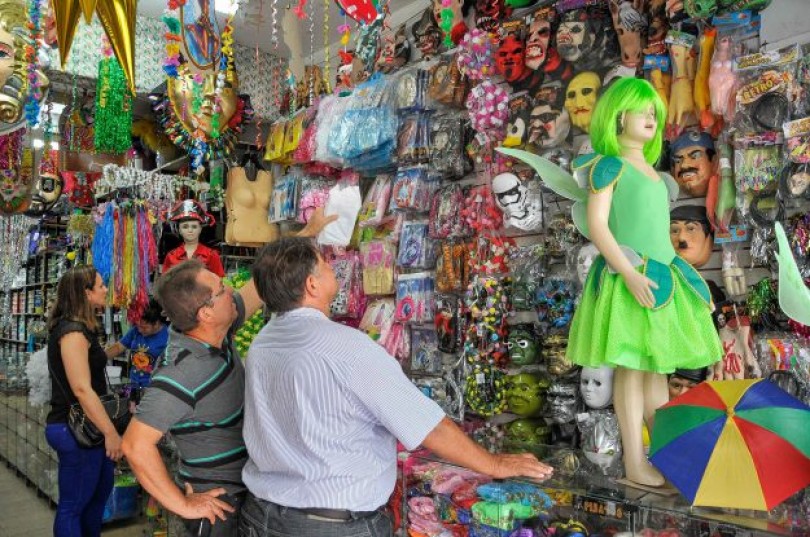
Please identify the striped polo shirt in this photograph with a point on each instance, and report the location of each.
(197, 395)
(324, 406)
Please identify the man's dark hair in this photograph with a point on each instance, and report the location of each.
(692, 213)
(153, 313)
(181, 295)
(280, 272)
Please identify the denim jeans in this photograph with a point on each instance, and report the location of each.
(260, 518)
(203, 528)
(85, 483)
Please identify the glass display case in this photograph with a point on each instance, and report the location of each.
(443, 500)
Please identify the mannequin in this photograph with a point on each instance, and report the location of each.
(596, 386)
(247, 202)
(626, 216)
(190, 217)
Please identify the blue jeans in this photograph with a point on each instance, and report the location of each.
(260, 518)
(85, 483)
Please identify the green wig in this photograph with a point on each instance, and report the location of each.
(626, 95)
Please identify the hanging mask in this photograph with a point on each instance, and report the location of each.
(690, 234)
(510, 57)
(16, 174)
(524, 394)
(527, 432)
(47, 189)
(523, 345)
(657, 28)
(562, 402)
(537, 39)
(601, 441)
(575, 37)
(489, 13)
(580, 98)
(366, 51)
(629, 22)
(426, 34)
(548, 125)
(585, 37)
(396, 50)
(691, 158)
(521, 203)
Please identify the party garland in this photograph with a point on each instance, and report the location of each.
(113, 121)
(32, 104)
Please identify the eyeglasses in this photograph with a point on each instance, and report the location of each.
(210, 302)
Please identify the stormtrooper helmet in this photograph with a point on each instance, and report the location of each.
(521, 205)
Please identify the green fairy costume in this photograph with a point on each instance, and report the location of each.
(610, 327)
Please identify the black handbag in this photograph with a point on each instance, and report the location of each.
(86, 433)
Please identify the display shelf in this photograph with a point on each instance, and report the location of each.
(604, 505)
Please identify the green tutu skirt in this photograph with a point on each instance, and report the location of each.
(611, 328)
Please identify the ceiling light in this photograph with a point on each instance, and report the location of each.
(228, 7)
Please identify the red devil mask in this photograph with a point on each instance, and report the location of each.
(510, 58)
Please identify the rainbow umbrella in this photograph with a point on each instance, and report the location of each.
(743, 444)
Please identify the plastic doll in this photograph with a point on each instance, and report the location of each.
(681, 100)
(644, 310)
(190, 217)
(721, 77)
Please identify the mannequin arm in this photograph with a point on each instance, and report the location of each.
(598, 213)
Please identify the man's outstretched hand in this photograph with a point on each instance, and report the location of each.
(317, 221)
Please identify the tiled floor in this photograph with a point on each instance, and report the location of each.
(24, 514)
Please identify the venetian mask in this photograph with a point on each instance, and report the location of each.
(580, 98)
(526, 431)
(690, 234)
(510, 58)
(522, 345)
(537, 42)
(574, 36)
(14, 74)
(596, 386)
(548, 127)
(692, 154)
(396, 50)
(629, 23)
(488, 13)
(426, 34)
(524, 394)
(181, 94)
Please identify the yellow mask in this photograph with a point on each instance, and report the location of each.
(181, 94)
(580, 98)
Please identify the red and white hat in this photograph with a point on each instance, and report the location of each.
(190, 210)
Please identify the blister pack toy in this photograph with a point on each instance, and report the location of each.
(378, 257)
(284, 199)
(452, 267)
(414, 303)
(449, 322)
(313, 193)
(448, 157)
(412, 189)
(349, 299)
(445, 213)
(425, 355)
(416, 249)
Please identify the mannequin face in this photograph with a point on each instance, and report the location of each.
(580, 98)
(596, 386)
(523, 395)
(537, 43)
(692, 169)
(190, 230)
(510, 58)
(691, 241)
(638, 126)
(522, 347)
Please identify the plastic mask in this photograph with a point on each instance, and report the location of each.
(690, 240)
(574, 37)
(692, 169)
(181, 94)
(525, 431)
(523, 395)
(537, 43)
(523, 349)
(580, 98)
(628, 23)
(510, 58)
(489, 12)
(596, 386)
(548, 127)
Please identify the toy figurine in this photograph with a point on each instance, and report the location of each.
(190, 217)
(638, 292)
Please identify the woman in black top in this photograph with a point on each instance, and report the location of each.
(76, 361)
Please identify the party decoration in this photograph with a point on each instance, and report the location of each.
(753, 423)
(118, 19)
(362, 11)
(113, 119)
(475, 55)
(88, 8)
(22, 78)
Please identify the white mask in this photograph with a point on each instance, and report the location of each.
(596, 386)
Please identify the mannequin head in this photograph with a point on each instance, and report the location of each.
(683, 380)
(524, 394)
(190, 217)
(690, 234)
(580, 98)
(526, 431)
(596, 386)
(632, 106)
(537, 41)
(691, 160)
(190, 230)
(522, 345)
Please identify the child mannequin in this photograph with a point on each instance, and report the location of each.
(190, 217)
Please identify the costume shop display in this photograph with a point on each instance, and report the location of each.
(582, 227)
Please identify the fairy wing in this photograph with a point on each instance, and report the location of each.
(558, 181)
(794, 296)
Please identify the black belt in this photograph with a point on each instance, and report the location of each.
(336, 514)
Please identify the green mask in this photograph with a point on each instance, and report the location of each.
(523, 394)
(523, 348)
(526, 431)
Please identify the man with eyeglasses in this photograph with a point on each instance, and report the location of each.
(197, 395)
